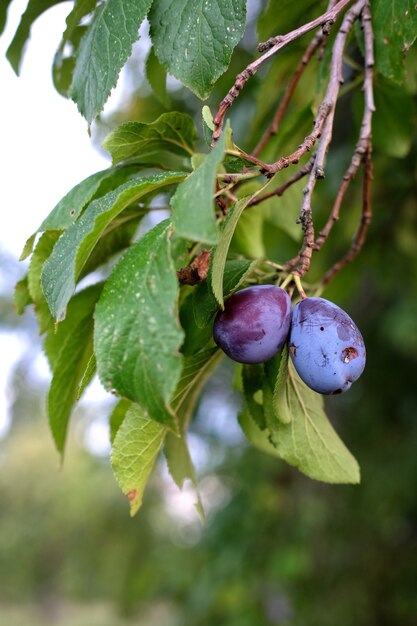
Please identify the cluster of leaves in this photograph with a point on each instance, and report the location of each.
(148, 337)
(127, 327)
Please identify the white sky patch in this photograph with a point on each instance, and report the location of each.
(97, 437)
(46, 149)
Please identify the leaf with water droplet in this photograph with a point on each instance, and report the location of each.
(103, 52)
(74, 247)
(193, 202)
(195, 41)
(137, 333)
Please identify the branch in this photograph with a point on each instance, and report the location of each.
(197, 271)
(366, 218)
(272, 46)
(314, 45)
(279, 191)
(366, 127)
(329, 104)
(365, 134)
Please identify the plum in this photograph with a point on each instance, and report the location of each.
(254, 324)
(325, 346)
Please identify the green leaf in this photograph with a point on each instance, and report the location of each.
(64, 62)
(117, 237)
(309, 441)
(103, 52)
(157, 78)
(3, 14)
(34, 9)
(135, 449)
(117, 416)
(28, 247)
(64, 59)
(205, 304)
(137, 333)
(220, 253)
(81, 306)
(71, 361)
(181, 466)
(80, 10)
(173, 132)
(248, 236)
(208, 124)
(196, 370)
(63, 392)
(194, 39)
(394, 123)
(42, 251)
(88, 375)
(196, 338)
(75, 245)
(252, 382)
(280, 400)
(192, 204)
(21, 295)
(395, 30)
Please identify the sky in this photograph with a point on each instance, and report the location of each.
(45, 147)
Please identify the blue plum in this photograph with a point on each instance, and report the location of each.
(325, 346)
(254, 324)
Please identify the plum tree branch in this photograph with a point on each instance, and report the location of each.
(363, 145)
(365, 142)
(271, 47)
(317, 44)
(314, 45)
(279, 191)
(303, 259)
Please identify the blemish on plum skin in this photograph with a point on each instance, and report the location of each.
(348, 354)
(293, 350)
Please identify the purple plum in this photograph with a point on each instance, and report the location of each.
(254, 324)
(325, 346)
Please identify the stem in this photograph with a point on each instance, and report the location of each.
(287, 281)
(297, 281)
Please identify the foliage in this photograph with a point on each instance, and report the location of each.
(147, 328)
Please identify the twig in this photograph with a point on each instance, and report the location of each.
(315, 43)
(197, 271)
(362, 146)
(361, 233)
(279, 191)
(330, 99)
(272, 46)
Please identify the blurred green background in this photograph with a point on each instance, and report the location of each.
(277, 548)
